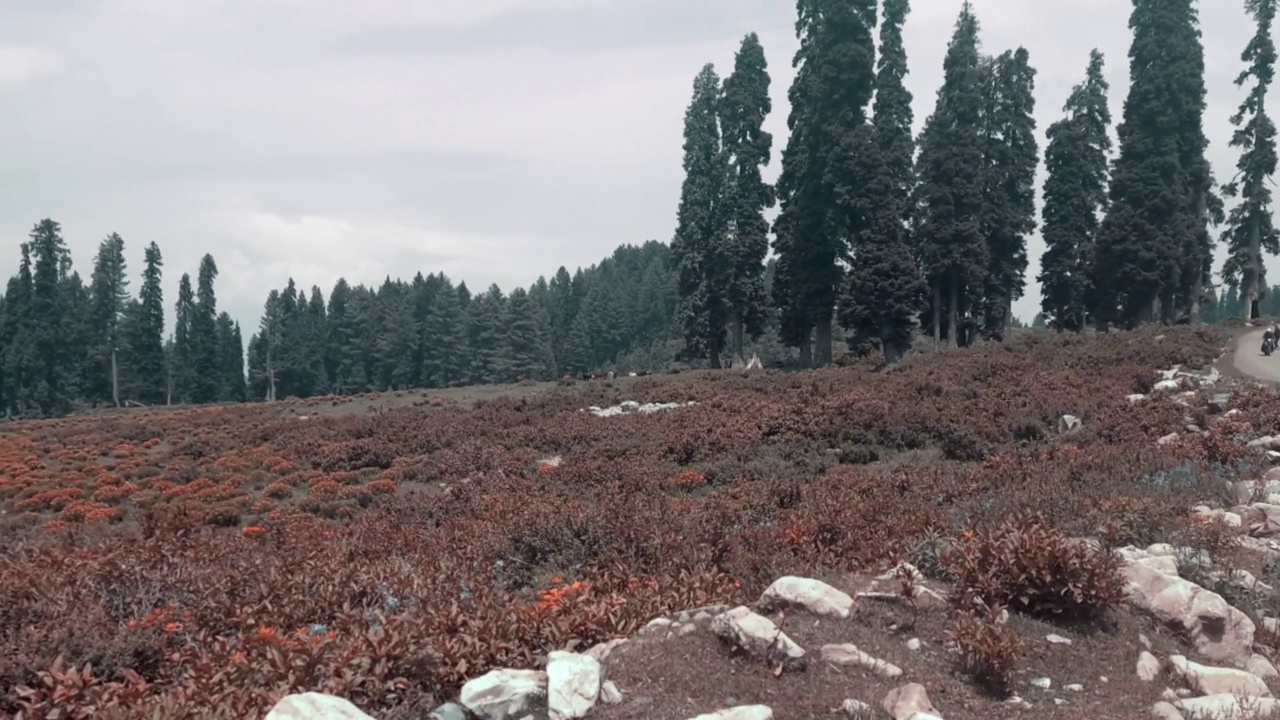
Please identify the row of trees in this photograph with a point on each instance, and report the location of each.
(881, 232)
(63, 342)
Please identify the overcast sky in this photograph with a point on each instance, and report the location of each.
(494, 140)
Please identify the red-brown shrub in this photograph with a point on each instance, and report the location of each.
(1030, 566)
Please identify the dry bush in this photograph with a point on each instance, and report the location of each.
(988, 649)
(1030, 566)
(226, 556)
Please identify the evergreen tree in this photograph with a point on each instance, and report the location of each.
(268, 346)
(54, 368)
(108, 295)
(1250, 229)
(1009, 183)
(1151, 245)
(700, 244)
(208, 377)
(182, 370)
(526, 350)
(20, 361)
(231, 380)
(1075, 195)
(884, 288)
(144, 362)
(834, 84)
(444, 338)
(485, 336)
(951, 166)
(748, 146)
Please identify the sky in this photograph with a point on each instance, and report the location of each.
(493, 140)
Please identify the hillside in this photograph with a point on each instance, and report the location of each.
(387, 549)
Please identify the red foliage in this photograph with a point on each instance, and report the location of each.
(166, 561)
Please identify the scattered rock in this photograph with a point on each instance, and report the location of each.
(813, 596)
(1068, 423)
(1148, 667)
(759, 637)
(1055, 639)
(315, 706)
(609, 693)
(573, 684)
(850, 655)
(630, 407)
(503, 693)
(1219, 632)
(742, 712)
(857, 709)
(1207, 680)
(909, 702)
(1165, 711)
(448, 711)
(1226, 707)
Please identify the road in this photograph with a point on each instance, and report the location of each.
(1248, 357)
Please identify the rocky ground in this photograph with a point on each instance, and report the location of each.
(1195, 639)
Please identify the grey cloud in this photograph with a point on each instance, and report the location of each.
(492, 139)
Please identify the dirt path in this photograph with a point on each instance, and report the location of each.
(1248, 359)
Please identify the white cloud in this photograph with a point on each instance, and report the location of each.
(21, 65)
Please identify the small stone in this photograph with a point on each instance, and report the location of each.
(609, 693)
(1056, 639)
(448, 711)
(857, 709)
(1074, 687)
(913, 644)
(1043, 683)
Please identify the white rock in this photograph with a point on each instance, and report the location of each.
(315, 706)
(503, 693)
(609, 693)
(573, 684)
(814, 596)
(1226, 707)
(1165, 711)
(1208, 680)
(741, 712)
(1148, 667)
(850, 655)
(857, 709)
(1043, 683)
(913, 644)
(1056, 639)
(1219, 632)
(758, 636)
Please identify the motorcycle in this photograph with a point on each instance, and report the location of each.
(1268, 346)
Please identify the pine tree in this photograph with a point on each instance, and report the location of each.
(525, 349)
(108, 295)
(950, 196)
(700, 246)
(18, 330)
(207, 375)
(1151, 246)
(268, 341)
(884, 288)
(54, 369)
(748, 146)
(231, 381)
(1012, 156)
(1075, 195)
(182, 357)
(485, 337)
(834, 84)
(1250, 229)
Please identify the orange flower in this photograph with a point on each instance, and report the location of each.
(132, 624)
(172, 627)
(237, 657)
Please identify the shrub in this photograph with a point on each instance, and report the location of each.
(1032, 567)
(988, 649)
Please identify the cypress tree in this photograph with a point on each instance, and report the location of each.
(108, 295)
(1152, 244)
(699, 246)
(748, 145)
(950, 196)
(1075, 195)
(884, 287)
(834, 84)
(205, 360)
(1250, 229)
(146, 359)
(1012, 157)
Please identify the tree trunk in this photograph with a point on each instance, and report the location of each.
(953, 297)
(271, 376)
(893, 349)
(806, 349)
(713, 358)
(822, 338)
(735, 330)
(937, 314)
(115, 378)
